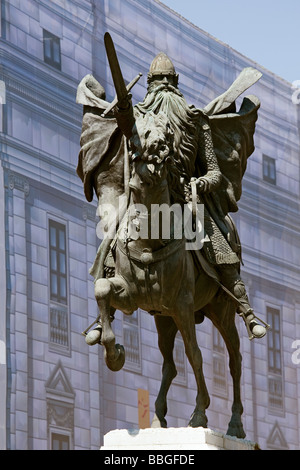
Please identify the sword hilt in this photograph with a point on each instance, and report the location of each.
(115, 101)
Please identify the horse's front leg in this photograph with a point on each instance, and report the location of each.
(105, 295)
(185, 322)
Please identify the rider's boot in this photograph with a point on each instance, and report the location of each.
(254, 329)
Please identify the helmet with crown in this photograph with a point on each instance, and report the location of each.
(162, 66)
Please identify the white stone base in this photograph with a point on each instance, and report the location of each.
(173, 439)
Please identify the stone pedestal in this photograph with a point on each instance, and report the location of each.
(173, 439)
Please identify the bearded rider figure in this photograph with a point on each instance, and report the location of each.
(209, 150)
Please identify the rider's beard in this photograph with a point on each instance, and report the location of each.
(184, 121)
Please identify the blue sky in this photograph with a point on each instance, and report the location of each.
(266, 31)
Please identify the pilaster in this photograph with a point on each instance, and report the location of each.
(18, 190)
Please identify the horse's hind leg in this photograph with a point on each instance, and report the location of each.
(186, 324)
(230, 335)
(166, 329)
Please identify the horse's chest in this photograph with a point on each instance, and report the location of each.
(142, 276)
(153, 284)
(149, 277)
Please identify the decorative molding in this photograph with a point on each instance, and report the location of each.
(55, 95)
(58, 385)
(89, 212)
(16, 181)
(59, 327)
(276, 439)
(38, 155)
(60, 414)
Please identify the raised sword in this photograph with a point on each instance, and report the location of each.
(122, 91)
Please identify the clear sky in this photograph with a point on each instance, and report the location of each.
(266, 31)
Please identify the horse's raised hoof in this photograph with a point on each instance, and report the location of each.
(198, 419)
(235, 428)
(118, 361)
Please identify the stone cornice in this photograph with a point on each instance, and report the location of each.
(40, 89)
(66, 13)
(35, 70)
(61, 176)
(38, 155)
(270, 203)
(271, 270)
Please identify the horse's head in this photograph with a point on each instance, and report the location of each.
(150, 156)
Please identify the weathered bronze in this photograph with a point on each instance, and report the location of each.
(164, 153)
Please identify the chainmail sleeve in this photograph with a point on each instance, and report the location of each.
(208, 167)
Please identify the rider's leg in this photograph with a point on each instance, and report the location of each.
(232, 280)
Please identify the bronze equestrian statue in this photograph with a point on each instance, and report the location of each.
(159, 152)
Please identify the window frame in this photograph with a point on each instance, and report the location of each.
(59, 339)
(275, 371)
(219, 364)
(63, 438)
(269, 166)
(274, 335)
(131, 326)
(50, 49)
(58, 251)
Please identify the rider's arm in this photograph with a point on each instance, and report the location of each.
(211, 175)
(124, 116)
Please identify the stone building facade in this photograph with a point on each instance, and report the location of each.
(58, 392)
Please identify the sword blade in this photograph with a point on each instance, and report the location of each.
(115, 101)
(114, 65)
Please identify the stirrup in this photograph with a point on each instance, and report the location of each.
(251, 324)
(93, 336)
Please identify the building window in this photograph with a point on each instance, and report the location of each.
(58, 309)
(219, 364)
(59, 326)
(131, 340)
(52, 54)
(58, 262)
(180, 360)
(274, 343)
(60, 442)
(275, 393)
(275, 378)
(269, 169)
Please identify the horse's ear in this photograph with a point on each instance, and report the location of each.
(151, 167)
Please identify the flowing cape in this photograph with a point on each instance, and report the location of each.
(233, 140)
(100, 136)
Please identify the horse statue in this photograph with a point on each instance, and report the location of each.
(133, 169)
